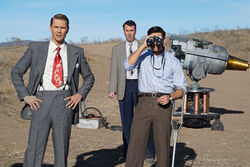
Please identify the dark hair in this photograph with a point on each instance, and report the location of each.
(129, 23)
(59, 17)
(157, 29)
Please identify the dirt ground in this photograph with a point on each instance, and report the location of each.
(196, 147)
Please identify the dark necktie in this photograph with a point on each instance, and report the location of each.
(130, 49)
(57, 73)
(130, 52)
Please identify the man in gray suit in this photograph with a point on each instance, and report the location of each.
(124, 84)
(52, 91)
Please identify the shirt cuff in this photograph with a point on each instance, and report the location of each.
(183, 89)
(127, 66)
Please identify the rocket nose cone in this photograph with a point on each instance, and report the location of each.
(235, 63)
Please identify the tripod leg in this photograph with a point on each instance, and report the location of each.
(175, 135)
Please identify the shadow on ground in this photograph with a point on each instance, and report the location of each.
(110, 157)
(184, 156)
(223, 111)
(220, 111)
(21, 165)
(100, 158)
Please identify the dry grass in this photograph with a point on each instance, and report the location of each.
(237, 42)
(8, 58)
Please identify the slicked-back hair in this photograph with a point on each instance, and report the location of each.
(157, 29)
(60, 17)
(129, 23)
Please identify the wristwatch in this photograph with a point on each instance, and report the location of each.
(170, 97)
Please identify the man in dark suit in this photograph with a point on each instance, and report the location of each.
(124, 84)
(52, 91)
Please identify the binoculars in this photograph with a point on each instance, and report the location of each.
(150, 41)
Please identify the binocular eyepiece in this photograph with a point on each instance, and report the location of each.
(151, 40)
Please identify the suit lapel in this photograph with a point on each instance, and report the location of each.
(43, 52)
(72, 58)
(123, 51)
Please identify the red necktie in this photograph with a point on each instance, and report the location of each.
(57, 73)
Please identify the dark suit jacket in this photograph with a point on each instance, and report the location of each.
(117, 76)
(35, 58)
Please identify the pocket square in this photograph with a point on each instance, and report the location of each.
(77, 65)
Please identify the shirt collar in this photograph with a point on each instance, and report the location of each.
(53, 46)
(133, 43)
(164, 52)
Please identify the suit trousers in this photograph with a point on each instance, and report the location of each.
(127, 106)
(52, 114)
(150, 113)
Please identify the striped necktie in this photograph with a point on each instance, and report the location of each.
(130, 52)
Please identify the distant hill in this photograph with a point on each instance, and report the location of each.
(237, 42)
(15, 43)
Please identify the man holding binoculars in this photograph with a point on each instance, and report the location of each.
(161, 79)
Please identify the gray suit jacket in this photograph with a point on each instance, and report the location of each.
(35, 58)
(117, 81)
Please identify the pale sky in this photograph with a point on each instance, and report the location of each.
(102, 19)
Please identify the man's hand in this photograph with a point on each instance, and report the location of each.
(74, 100)
(132, 59)
(163, 100)
(32, 101)
(112, 95)
(145, 45)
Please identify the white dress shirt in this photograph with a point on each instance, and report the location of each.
(134, 74)
(47, 76)
(165, 79)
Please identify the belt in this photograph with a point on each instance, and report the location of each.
(151, 94)
(131, 80)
